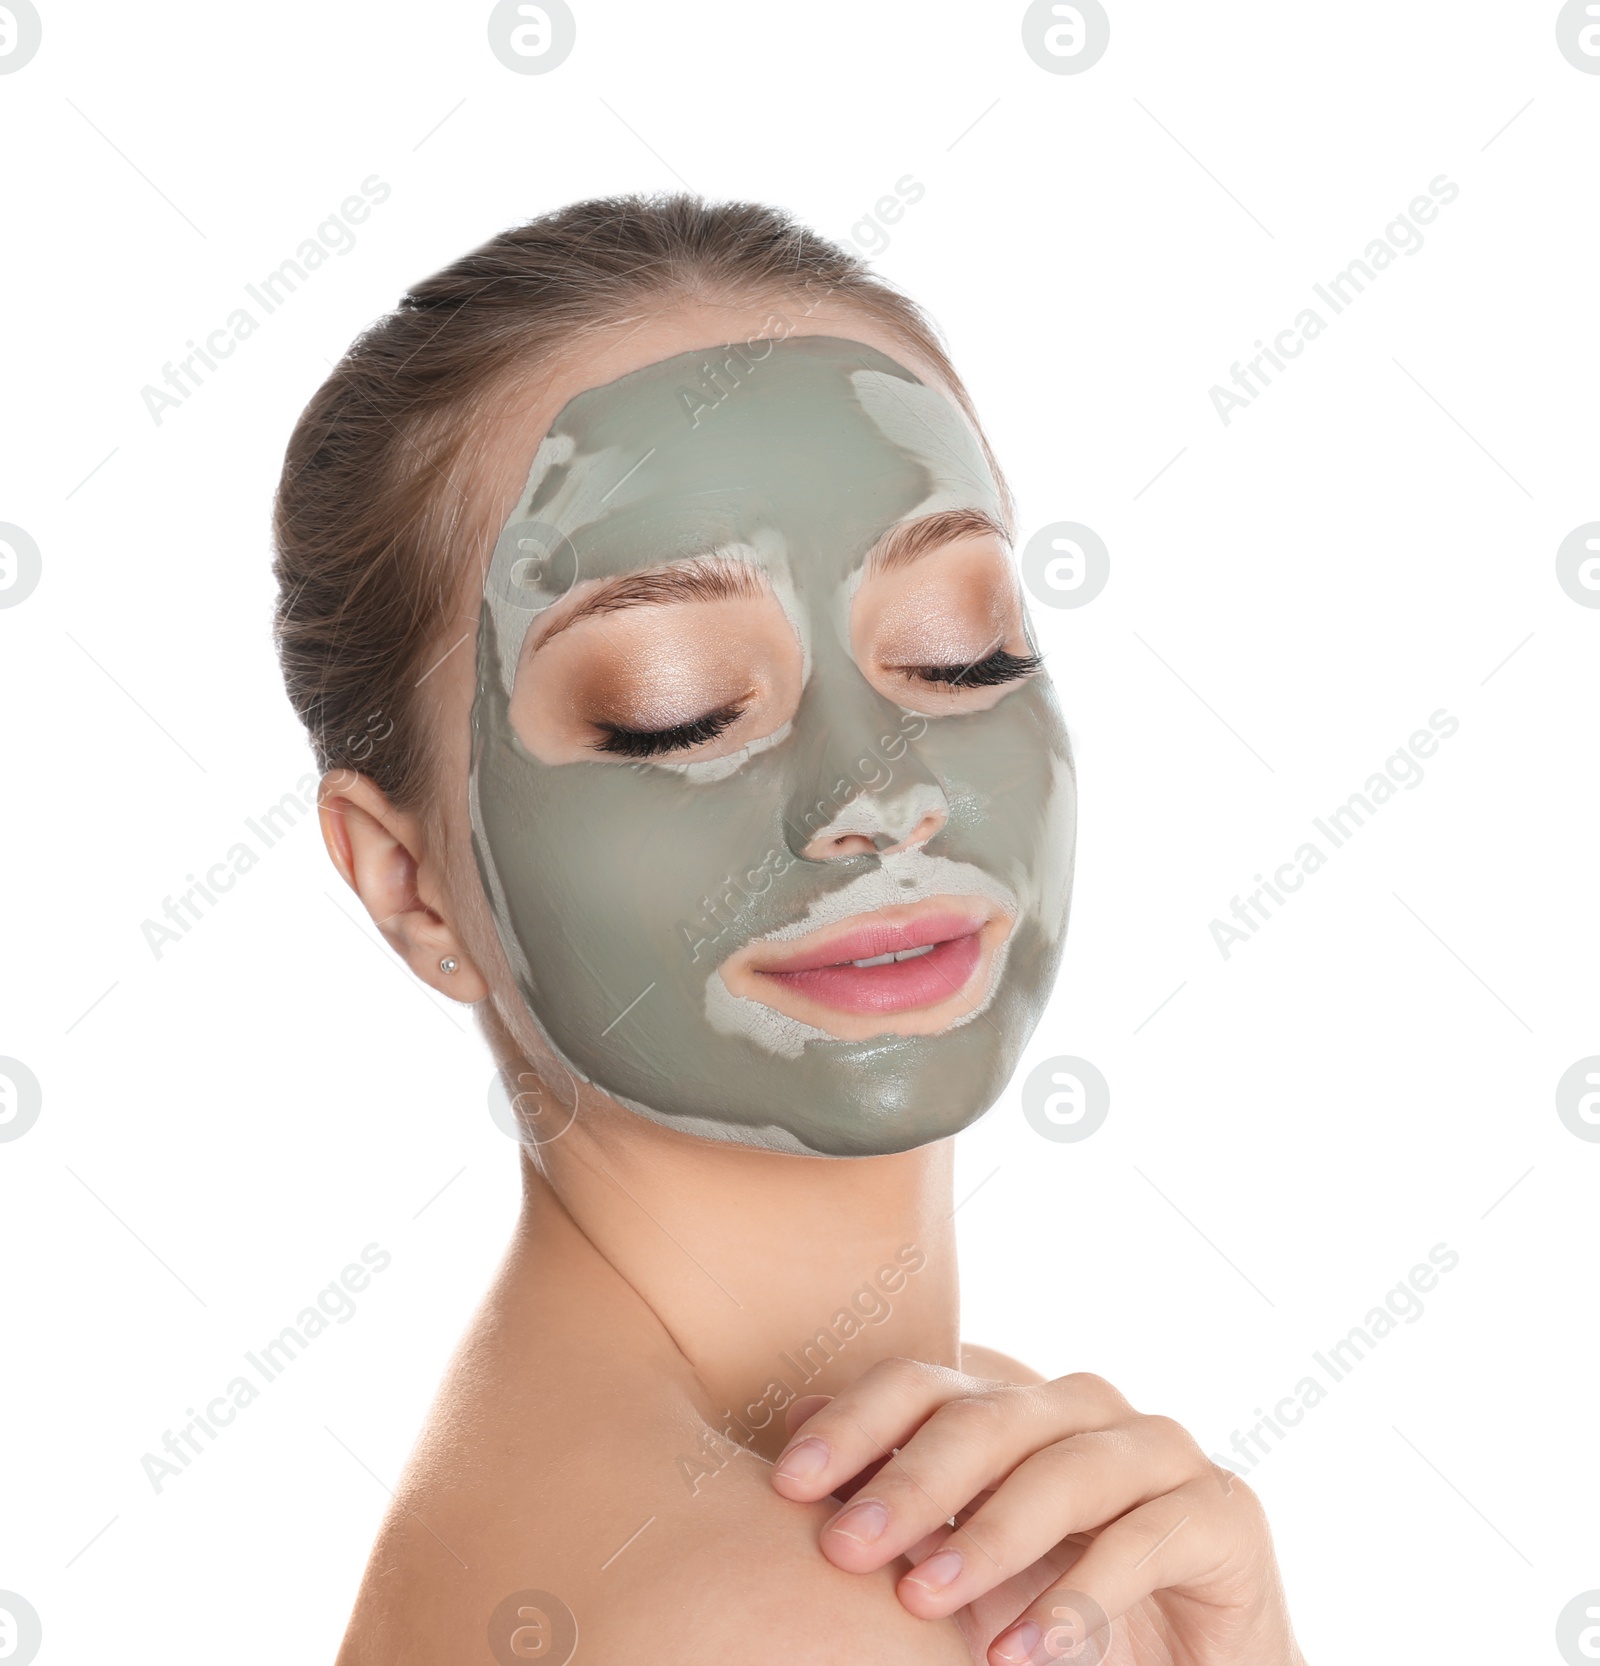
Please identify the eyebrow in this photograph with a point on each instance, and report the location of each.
(703, 578)
(911, 540)
(713, 578)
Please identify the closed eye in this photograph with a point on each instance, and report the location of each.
(623, 742)
(997, 668)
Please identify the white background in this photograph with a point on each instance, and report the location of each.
(1370, 1075)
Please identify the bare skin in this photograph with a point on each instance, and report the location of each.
(655, 1282)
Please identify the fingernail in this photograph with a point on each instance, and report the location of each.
(804, 1462)
(861, 1522)
(938, 1571)
(1019, 1643)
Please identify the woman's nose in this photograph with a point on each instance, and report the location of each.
(880, 824)
(858, 785)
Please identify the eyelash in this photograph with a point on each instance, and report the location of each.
(652, 743)
(1000, 667)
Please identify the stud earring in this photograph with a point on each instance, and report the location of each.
(448, 964)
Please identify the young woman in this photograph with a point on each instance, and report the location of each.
(646, 593)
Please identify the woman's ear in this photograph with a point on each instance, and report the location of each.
(383, 855)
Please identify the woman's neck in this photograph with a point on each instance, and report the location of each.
(774, 1276)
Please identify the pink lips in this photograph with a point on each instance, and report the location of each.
(950, 946)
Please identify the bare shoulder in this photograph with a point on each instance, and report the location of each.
(546, 1520)
(734, 1573)
(990, 1362)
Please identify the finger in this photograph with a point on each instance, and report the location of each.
(963, 1448)
(1043, 1489)
(968, 1445)
(1073, 1486)
(863, 1422)
(1178, 1541)
(798, 1411)
(884, 1407)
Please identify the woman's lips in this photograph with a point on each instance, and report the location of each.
(919, 958)
(928, 975)
(866, 937)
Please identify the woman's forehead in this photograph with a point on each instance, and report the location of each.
(822, 441)
(796, 454)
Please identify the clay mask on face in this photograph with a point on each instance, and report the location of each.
(688, 926)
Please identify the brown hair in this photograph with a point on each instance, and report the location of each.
(371, 524)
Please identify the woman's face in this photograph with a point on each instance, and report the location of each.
(772, 808)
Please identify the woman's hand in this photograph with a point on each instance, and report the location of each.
(1071, 1511)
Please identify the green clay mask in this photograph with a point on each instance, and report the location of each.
(774, 811)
